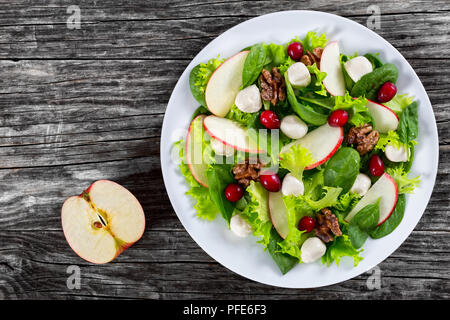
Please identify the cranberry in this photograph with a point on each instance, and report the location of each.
(387, 92)
(307, 224)
(295, 50)
(270, 120)
(338, 118)
(376, 166)
(234, 192)
(270, 181)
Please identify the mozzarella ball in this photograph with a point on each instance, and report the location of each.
(239, 226)
(293, 127)
(221, 149)
(357, 67)
(312, 249)
(361, 185)
(249, 99)
(396, 155)
(292, 186)
(298, 75)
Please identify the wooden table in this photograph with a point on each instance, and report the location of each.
(83, 104)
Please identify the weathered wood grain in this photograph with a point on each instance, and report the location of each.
(82, 105)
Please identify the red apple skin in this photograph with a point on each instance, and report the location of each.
(187, 148)
(120, 249)
(330, 154)
(396, 197)
(230, 145)
(383, 107)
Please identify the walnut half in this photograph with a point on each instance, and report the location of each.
(363, 137)
(327, 225)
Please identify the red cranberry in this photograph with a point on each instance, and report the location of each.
(387, 92)
(306, 223)
(234, 192)
(338, 118)
(376, 166)
(270, 181)
(269, 119)
(295, 50)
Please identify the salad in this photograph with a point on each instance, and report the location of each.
(302, 146)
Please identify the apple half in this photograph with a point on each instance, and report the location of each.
(322, 142)
(194, 151)
(224, 84)
(386, 189)
(102, 222)
(330, 64)
(230, 133)
(278, 213)
(385, 119)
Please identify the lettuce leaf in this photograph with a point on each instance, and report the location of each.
(399, 102)
(317, 80)
(339, 248)
(404, 183)
(244, 118)
(296, 159)
(358, 112)
(312, 40)
(391, 138)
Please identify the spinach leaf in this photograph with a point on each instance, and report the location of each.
(373, 58)
(307, 114)
(196, 90)
(255, 61)
(219, 176)
(348, 81)
(408, 127)
(393, 221)
(369, 84)
(284, 261)
(363, 223)
(200, 110)
(342, 169)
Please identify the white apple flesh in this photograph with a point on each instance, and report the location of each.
(224, 84)
(322, 142)
(278, 214)
(329, 62)
(386, 190)
(102, 222)
(230, 133)
(194, 151)
(385, 119)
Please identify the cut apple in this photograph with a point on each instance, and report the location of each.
(322, 142)
(102, 222)
(194, 151)
(230, 133)
(278, 213)
(224, 84)
(385, 119)
(386, 189)
(330, 63)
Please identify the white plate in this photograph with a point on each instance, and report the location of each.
(245, 256)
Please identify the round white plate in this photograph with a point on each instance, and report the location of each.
(245, 256)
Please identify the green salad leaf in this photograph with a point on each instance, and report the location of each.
(246, 119)
(199, 77)
(312, 40)
(399, 102)
(317, 80)
(393, 221)
(370, 83)
(404, 183)
(339, 248)
(358, 112)
(255, 61)
(296, 159)
(341, 170)
(364, 222)
(219, 177)
(284, 261)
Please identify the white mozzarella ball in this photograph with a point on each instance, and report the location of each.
(221, 149)
(357, 67)
(293, 127)
(312, 249)
(240, 227)
(361, 185)
(249, 99)
(292, 186)
(298, 75)
(396, 155)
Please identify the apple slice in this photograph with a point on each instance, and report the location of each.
(230, 133)
(386, 189)
(385, 119)
(278, 213)
(194, 151)
(102, 222)
(224, 84)
(329, 62)
(322, 142)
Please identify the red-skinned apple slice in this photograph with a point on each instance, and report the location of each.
(278, 213)
(224, 84)
(194, 151)
(230, 133)
(102, 222)
(322, 142)
(386, 189)
(329, 62)
(385, 119)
